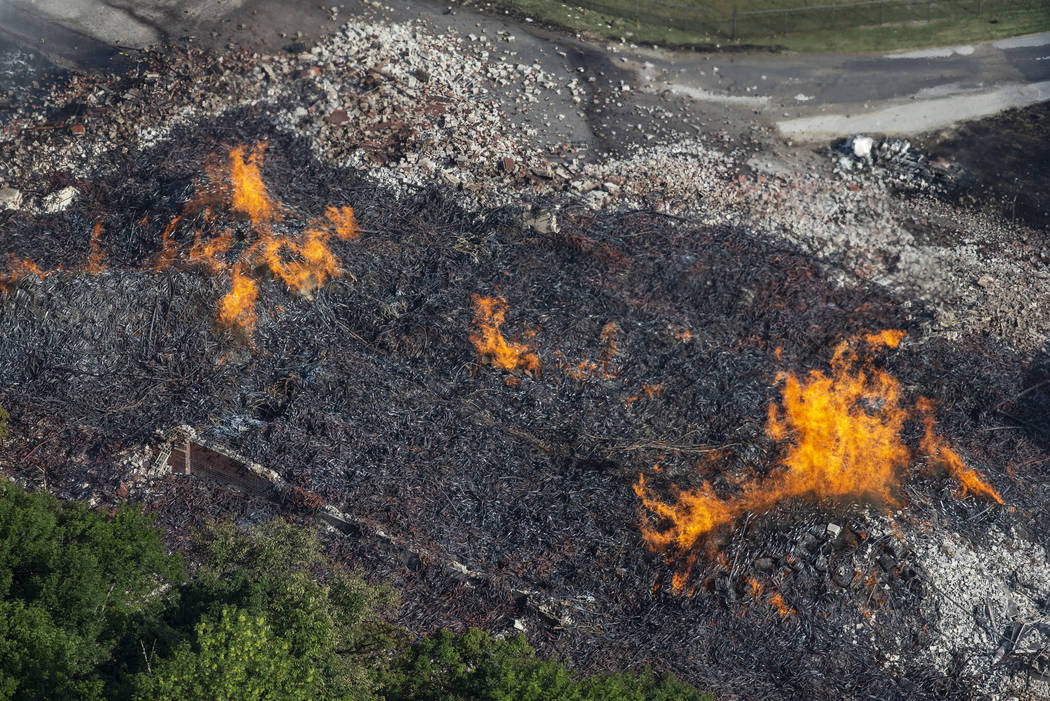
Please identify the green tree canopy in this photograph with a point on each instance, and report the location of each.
(72, 583)
(476, 666)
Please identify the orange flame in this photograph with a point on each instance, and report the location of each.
(843, 436)
(303, 260)
(95, 264)
(249, 191)
(783, 609)
(489, 315)
(237, 308)
(938, 449)
(18, 268)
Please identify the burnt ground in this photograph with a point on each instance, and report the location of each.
(1007, 158)
(372, 396)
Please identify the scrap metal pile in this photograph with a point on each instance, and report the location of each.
(643, 436)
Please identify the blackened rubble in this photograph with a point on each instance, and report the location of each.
(656, 314)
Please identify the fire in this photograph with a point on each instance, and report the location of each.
(938, 449)
(302, 260)
(489, 315)
(777, 601)
(237, 308)
(842, 434)
(95, 264)
(843, 431)
(249, 191)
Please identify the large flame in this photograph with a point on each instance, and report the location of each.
(842, 436)
(489, 315)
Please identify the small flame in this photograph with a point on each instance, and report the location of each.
(489, 315)
(843, 437)
(344, 223)
(777, 601)
(938, 449)
(16, 269)
(237, 308)
(95, 264)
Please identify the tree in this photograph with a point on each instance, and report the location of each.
(236, 657)
(73, 582)
(323, 617)
(474, 665)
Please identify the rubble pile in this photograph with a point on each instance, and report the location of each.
(895, 162)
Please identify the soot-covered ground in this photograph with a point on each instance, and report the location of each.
(658, 341)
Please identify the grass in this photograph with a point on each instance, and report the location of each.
(858, 29)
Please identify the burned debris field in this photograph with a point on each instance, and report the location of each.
(647, 347)
(644, 434)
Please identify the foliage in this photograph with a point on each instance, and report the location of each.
(72, 581)
(235, 657)
(324, 618)
(475, 665)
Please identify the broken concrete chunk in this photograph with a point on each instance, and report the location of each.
(543, 223)
(861, 146)
(10, 198)
(60, 201)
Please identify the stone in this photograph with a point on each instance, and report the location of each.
(10, 198)
(60, 201)
(861, 146)
(543, 223)
(338, 117)
(77, 130)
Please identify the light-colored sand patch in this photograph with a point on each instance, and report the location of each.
(705, 96)
(917, 116)
(1027, 41)
(942, 52)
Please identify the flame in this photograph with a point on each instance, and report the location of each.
(938, 449)
(18, 268)
(889, 338)
(249, 191)
(843, 439)
(489, 315)
(344, 223)
(843, 430)
(237, 308)
(777, 601)
(302, 260)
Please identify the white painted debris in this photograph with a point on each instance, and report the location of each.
(861, 146)
(60, 201)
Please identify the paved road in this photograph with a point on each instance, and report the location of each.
(806, 96)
